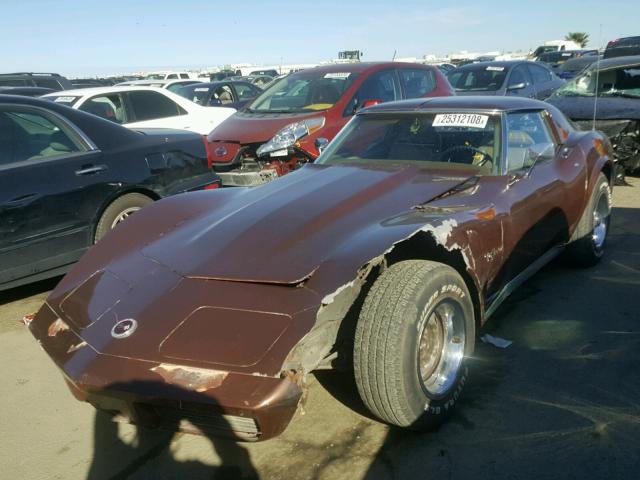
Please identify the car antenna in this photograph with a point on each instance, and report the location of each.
(393, 59)
(595, 100)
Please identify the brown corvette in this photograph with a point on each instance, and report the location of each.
(206, 311)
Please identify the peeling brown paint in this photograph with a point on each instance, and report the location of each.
(190, 378)
(56, 327)
(74, 348)
(27, 319)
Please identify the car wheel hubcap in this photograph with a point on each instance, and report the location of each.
(600, 221)
(123, 215)
(441, 347)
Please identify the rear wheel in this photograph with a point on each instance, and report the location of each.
(118, 211)
(588, 242)
(415, 330)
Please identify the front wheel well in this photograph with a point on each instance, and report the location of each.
(421, 246)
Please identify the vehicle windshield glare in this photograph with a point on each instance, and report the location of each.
(307, 91)
(427, 140)
(480, 78)
(623, 82)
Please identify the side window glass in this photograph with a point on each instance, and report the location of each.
(184, 75)
(26, 136)
(379, 87)
(172, 76)
(47, 83)
(224, 95)
(152, 105)
(417, 82)
(529, 140)
(518, 76)
(109, 107)
(245, 92)
(539, 74)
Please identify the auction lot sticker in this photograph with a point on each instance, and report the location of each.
(460, 120)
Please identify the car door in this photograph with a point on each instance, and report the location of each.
(542, 81)
(148, 109)
(535, 222)
(519, 82)
(50, 174)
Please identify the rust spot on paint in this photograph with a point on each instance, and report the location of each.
(190, 378)
(56, 327)
(488, 214)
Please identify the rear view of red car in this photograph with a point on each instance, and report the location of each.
(292, 120)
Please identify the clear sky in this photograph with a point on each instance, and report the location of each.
(95, 37)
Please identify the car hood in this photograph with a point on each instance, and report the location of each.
(283, 231)
(245, 127)
(609, 108)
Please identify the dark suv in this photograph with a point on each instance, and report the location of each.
(623, 47)
(53, 81)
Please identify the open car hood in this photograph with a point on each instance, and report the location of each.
(281, 232)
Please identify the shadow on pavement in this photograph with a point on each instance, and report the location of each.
(24, 291)
(149, 454)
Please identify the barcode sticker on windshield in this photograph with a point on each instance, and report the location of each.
(494, 69)
(64, 99)
(337, 75)
(460, 120)
(201, 89)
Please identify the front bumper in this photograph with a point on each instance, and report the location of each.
(242, 406)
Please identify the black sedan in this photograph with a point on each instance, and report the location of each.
(518, 78)
(234, 94)
(68, 177)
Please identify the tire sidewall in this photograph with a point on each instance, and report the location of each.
(427, 408)
(602, 188)
(115, 208)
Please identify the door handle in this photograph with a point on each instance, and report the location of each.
(22, 200)
(91, 169)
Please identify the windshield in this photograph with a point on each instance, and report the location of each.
(480, 78)
(622, 82)
(306, 91)
(429, 140)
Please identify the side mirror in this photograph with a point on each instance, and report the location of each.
(516, 86)
(321, 143)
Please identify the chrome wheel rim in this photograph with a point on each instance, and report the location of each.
(600, 221)
(441, 347)
(122, 216)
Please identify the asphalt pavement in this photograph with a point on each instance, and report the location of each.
(563, 401)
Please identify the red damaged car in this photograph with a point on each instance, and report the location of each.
(207, 311)
(288, 124)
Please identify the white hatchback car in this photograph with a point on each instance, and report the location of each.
(143, 107)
